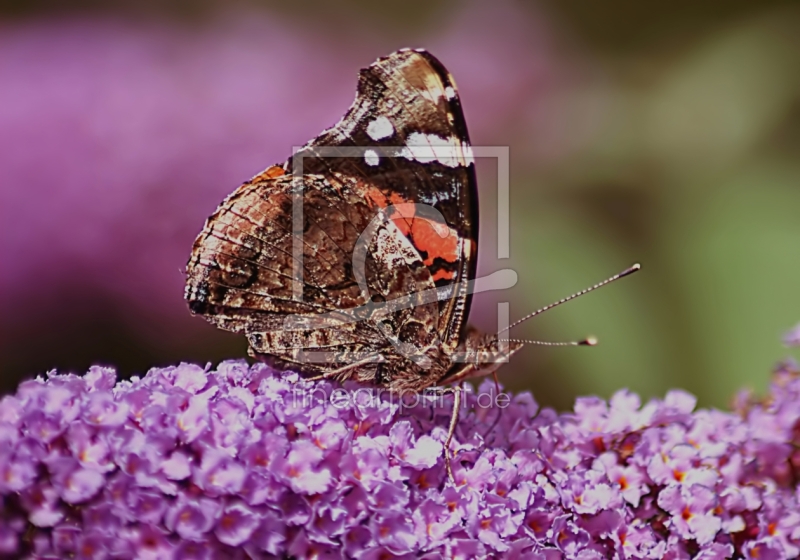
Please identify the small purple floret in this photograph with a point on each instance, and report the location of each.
(245, 462)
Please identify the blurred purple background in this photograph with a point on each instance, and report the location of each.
(668, 137)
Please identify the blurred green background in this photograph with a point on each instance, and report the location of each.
(666, 133)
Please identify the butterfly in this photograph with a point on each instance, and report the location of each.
(356, 257)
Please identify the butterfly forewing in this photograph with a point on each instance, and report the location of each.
(407, 108)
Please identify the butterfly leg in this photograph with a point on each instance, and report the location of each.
(338, 371)
(499, 411)
(451, 429)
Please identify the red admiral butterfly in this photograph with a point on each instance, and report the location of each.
(356, 258)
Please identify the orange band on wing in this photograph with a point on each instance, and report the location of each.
(269, 173)
(442, 274)
(377, 198)
(437, 240)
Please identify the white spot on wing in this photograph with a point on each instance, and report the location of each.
(468, 153)
(380, 128)
(450, 93)
(371, 157)
(426, 148)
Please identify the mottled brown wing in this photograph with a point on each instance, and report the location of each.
(242, 271)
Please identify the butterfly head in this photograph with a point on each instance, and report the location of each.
(479, 354)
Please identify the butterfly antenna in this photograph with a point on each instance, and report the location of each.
(614, 278)
(588, 341)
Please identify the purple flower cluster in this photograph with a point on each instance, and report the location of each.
(245, 462)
